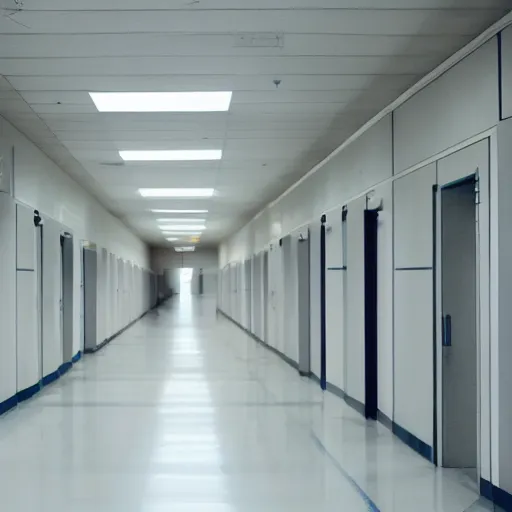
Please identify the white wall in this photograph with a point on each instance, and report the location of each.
(42, 185)
(396, 160)
(458, 105)
(27, 346)
(7, 297)
(385, 299)
(355, 305)
(501, 371)
(334, 307)
(35, 182)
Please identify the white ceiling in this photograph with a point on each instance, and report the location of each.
(339, 62)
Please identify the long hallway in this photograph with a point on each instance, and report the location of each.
(185, 413)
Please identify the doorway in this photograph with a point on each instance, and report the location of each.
(186, 275)
(370, 313)
(459, 326)
(66, 296)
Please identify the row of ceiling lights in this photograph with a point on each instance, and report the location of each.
(169, 102)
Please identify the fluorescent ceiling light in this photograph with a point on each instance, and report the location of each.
(159, 155)
(176, 192)
(218, 101)
(170, 219)
(184, 227)
(179, 211)
(172, 239)
(185, 249)
(182, 233)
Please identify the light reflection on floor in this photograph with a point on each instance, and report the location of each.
(185, 413)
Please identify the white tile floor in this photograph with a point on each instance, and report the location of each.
(185, 413)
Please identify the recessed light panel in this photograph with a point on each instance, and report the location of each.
(167, 155)
(176, 192)
(182, 233)
(180, 211)
(172, 239)
(184, 227)
(217, 101)
(180, 220)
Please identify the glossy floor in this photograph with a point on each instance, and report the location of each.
(185, 413)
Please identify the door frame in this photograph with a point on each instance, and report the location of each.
(323, 306)
(371, 361)
(481, 177)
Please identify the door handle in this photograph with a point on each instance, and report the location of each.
(447, 331)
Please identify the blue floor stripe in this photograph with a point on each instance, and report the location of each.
(29, 392)
(25, 394)
(8, 404)
(52, 377)
(63, 368)
(372, 507)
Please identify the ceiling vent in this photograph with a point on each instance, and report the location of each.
(259, 40)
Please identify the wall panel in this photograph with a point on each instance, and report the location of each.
(385, 300)
(27, 339)
(314, 296)
(355, 306)
(334, 300)
(413, 218)
(413, 399)
(459, 104)
(7, 297)
(52, 346)
(506, 72)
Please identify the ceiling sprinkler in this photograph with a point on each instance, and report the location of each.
(277, 83)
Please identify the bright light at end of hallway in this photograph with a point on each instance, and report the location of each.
(176, 192)
(218, 101)
(165, 155)
(190, 248)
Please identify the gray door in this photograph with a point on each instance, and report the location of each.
(458, 277)
(67, 297)
(90, 298)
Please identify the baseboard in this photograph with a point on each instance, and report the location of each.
(284, 357)
(335, 390)
(27, 393)
(8, 404)
(114, 336)
(51, 377)
(64, 368)
(412, 441)
(498, 496)
(355, 404)
(314, 377)
(385, 420)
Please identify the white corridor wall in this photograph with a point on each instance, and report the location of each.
(31, 181)
(395, 164)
